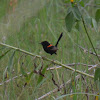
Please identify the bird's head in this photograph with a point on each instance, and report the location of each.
(45, 43)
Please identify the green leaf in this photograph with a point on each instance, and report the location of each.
(69, 20)
(69, 10)
(5, 72)
(82, 3)
(23, 72)
(73, 14)
(76, 13)
(88, 20)
(29, 77)
(10, 63)
(94, 23)
(97, 74)
(41, 77)
(77, 26)
(4, 54)
(44, 79)
(66, 1)
(97, 15)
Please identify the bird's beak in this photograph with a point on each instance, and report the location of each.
(39, 43)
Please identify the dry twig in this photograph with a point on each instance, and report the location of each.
(62, 85)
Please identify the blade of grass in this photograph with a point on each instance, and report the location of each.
(10, 63)
(4, 54)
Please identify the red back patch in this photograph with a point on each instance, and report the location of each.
(49, 45)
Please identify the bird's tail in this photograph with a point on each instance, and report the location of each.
(59, 39)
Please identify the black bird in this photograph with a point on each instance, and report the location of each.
(49, 48)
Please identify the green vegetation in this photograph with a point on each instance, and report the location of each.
(24, 24)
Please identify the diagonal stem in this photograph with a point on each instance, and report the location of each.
(89, 38)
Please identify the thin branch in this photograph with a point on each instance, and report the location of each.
(85, 50)
(73, 64)
(7, 81)
(47, 59)
(53, 80)
(63, 83)
(39, 72)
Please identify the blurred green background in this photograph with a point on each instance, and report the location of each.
(24, 24)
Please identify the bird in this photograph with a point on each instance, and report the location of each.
(49, 48)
